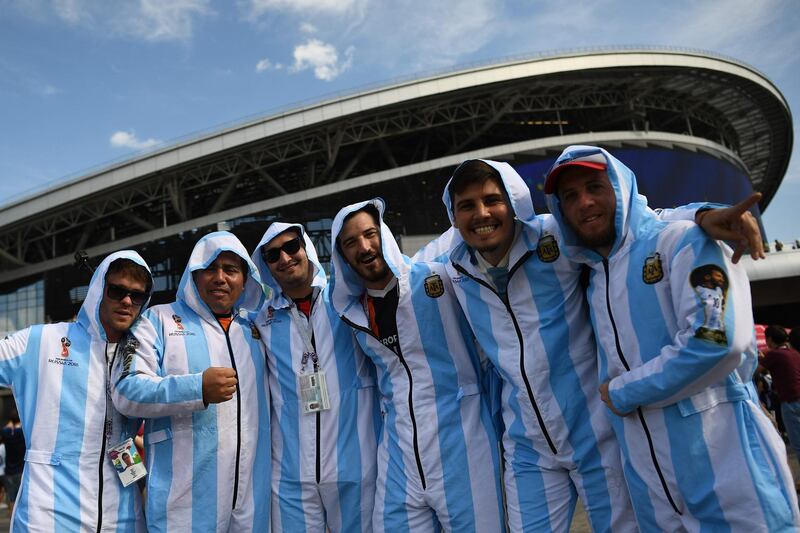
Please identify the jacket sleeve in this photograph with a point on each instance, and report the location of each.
(15, 352)
(140, 387)
(685, 212)
(711, 302)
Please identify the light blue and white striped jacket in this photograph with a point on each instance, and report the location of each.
(439, 441)
(695, 437)
(59, 376)
(334, 446)
(208, 467)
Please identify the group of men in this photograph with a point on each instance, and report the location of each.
(518, 363)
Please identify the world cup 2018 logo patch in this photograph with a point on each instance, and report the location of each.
(547, 249)
(652, 272)
(178, 322)
(65, 344)
(434, 287)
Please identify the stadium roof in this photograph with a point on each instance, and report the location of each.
(662, 97)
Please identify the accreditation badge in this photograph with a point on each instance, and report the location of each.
(314, 392)
(127, 461)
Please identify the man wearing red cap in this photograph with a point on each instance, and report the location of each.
(672, 318)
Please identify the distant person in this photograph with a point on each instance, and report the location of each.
(14, 444)
(783, 363)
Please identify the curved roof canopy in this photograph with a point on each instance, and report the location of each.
(690, 97)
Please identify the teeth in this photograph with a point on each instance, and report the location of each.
(482, 230)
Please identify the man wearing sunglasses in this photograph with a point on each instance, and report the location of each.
(324, 411)
(195, 369)
(59, 374)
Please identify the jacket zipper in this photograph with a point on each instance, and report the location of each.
(639, 411)
(103, 445)
(518, 331)
(238, 421)
(410, 400)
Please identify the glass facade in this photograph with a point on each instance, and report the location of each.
(22, 307)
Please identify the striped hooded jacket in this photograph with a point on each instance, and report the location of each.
(333, 446)
(674, 325)
(438, 435)
(208, 467)
(59, 376)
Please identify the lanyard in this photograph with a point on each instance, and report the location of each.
(303, 326)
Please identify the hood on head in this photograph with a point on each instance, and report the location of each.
(346, 285)
(89, 314)
(204, 253)
(276, 298)
(630, 205)
(519, 195)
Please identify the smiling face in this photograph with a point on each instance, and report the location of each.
(360, 242)
(116, 316)
(485, 219)
(588, 204)
(293, 272)
(221, 284)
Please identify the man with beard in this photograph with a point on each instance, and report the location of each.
(196, 370)
(699, 454)
(438, 462)
(59, 374)
(324, 417)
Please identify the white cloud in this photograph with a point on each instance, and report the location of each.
(322, 57)
(49, 90)
(128, 139)
(307, 27)
(151, 20)
(263, 65)
(258, 8)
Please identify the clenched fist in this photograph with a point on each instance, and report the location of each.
(219, 384)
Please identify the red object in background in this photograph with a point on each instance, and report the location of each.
(140, 433)
(761, 340)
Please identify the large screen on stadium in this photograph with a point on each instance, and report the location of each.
(667, 177)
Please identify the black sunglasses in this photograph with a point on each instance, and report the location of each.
(117, 293)
(291, 247)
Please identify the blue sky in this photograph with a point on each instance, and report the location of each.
(84, 82)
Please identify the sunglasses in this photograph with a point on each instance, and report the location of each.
(117, 293)
(291, 247)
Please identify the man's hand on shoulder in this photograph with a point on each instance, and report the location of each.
(219, 384)
(735, 224)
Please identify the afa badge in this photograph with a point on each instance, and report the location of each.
(178, 322)
(547, 249)
(652, 272)
(254, 331)
(434, 287)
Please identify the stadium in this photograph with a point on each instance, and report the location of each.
(694, 126)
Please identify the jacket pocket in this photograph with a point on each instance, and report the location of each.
(711, 397)
(42, 457)
(159, 436)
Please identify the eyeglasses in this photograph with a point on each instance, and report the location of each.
(118, 293)
(291, 247)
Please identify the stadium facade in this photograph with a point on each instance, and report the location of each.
(693, 125)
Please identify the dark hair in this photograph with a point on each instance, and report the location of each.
(131, 269)
(776, 334)
(371, 210)
(794, 338)
(469, 173)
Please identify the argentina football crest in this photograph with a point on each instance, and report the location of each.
(434, 286)
(652, 271)
(547, 249)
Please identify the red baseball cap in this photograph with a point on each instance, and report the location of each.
(594, 161)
